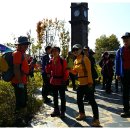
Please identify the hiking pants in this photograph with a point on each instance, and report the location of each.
(108, 84)
(104, 82)
(72, 77)
(21, 96)
(61, 91)
(126, 90)
(81, 91)
(46, 89)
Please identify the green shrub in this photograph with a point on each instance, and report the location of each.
(7, 101)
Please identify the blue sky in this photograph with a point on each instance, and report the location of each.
(108, 18)
(19, 16)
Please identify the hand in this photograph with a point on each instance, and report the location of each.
(118, 77)
(48, 75)
(90, 84)
(21, 85)
(63, 82)
(68, 68)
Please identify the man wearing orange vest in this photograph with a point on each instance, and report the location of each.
(21, 69)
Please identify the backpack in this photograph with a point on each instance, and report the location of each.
(3, 65)
(9, 73)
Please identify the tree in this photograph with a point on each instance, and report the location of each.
(31, 40)
(105, 43)
(64, 39)
(48, 31)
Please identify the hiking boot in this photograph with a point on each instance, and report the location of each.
(55, 114)
(125, 115)
(95, 123)
(66, 89)
(80, 117)
(47, 100)
(19, 122)
(74, 89)
(109, 91)
(62, 115)
(103, 88)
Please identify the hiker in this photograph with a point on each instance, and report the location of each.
(70, 64)
(32, 65)
(123, 72)
(89, 53)
(82, 67)
(110, 73)
(21, 70)
(102, 64)
(46, 89)
(59, 75)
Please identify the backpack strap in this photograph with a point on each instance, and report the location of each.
(22, 59)
(84, 67)
(61, 61)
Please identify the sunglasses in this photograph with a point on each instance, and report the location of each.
(85, 50)
(75, 49)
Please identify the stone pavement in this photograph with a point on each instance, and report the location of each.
(110, 107)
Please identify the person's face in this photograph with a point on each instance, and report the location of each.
(86, 52)
(55, 53)
(126, 41)
(76, 52)
(23, 47)
(112, 59)
(106, 56)
(49, 51)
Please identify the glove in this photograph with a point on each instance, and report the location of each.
(90, 84)
(48, 75)
(21, 85)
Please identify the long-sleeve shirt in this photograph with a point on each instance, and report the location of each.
(110, 70)
(121, 62)
(20, 59)
(79, 69)
(45, 60)
(58, 71)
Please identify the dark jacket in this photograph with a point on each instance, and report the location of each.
(93, 64)
(45, 61)
(110, 70)
(102, 64)
(119, 62)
